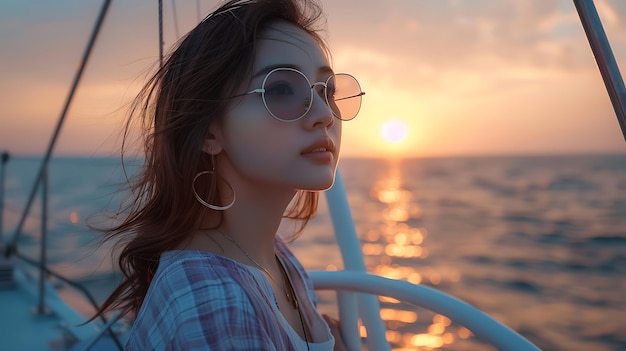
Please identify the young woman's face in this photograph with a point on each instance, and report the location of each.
(300, 154)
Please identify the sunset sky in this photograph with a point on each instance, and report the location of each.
(442, 77)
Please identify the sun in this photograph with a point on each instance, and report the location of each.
(394, 131)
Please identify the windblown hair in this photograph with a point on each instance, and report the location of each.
(189, 92)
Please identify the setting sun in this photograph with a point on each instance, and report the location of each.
(394, 131)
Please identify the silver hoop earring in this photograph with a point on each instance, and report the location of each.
(206, 204)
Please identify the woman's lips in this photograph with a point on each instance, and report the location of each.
(320, 151)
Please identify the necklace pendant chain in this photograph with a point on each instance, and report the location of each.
(286, 276)
(287, 285)
(288, 289)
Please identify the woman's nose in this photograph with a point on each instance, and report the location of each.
(320, 114)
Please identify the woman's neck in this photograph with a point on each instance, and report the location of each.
(252, 223)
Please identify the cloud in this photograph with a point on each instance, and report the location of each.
(462, 33)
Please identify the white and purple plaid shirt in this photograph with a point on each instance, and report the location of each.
(202, 301)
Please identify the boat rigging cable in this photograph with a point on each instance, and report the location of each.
(12, 247)
(605, 59)
(160, 33)
(40, 178)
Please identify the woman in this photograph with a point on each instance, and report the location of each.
(243, 126)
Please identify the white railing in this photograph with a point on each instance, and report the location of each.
(359, 291)
(479, 323)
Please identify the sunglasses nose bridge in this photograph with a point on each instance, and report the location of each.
(321, 93)
(322, 90)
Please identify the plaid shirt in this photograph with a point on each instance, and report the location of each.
(201, 301)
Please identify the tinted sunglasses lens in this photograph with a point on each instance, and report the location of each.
(344, 96)
(287, 94)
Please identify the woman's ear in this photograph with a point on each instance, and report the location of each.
(212, 144)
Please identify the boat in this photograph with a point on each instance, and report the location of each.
(36, 317)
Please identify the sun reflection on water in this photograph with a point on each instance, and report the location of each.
(397, 237)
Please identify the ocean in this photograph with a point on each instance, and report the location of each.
(539, 243)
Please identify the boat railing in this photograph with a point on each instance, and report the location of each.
(4, 158)
(481, 324)
(8, 279)
(6, 263)
(358, 291)
(41, 180)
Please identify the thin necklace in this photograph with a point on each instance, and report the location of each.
(286, 275)
(290, 297)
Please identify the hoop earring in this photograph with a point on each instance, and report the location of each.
(206, 204)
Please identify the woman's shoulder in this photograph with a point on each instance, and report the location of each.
(186, 259)
(194, 284)
(197, 298)
(187, 270)
(184, 279)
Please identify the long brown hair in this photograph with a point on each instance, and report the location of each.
(190, 91)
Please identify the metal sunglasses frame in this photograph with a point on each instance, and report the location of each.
(312, 86)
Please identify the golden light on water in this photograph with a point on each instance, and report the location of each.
(435, 337)
(392, 195)
(436, 328)
(415, 278)
(393, 336)
(393, 272)
(400, 238)
(389, 314)
(397, 238)
(362, 331)
(372, 235)
(464, 333)
(441, 319)
(427, 340)
(448, 338)
(435, 278)
(74, 217)
(373, 249)
(403, 251)
(397, 214)
(387, 299)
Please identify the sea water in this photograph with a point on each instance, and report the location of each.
(539, 243)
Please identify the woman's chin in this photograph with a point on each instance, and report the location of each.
(321, 184)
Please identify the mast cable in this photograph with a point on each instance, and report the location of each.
(161, 32)
(12, 247)
(601, 48)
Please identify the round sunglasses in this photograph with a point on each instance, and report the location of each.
(288, 94)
